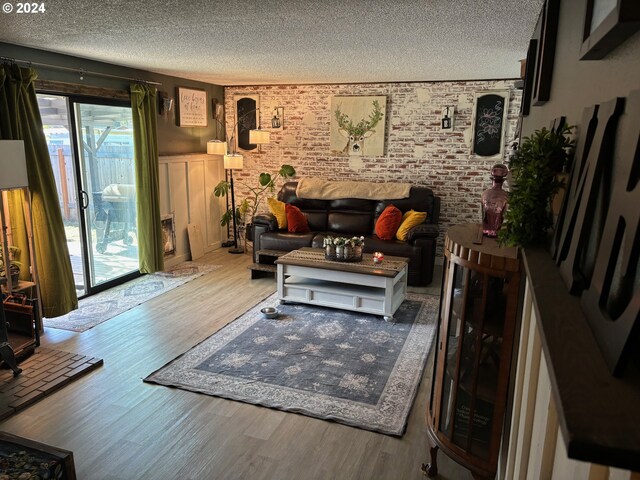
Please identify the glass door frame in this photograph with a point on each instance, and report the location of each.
(72, 100)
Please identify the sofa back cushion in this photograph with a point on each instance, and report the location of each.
(352, 223)
(350, 216)
(357, 216)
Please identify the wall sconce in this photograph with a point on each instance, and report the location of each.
(217, 109)
(277, 118)
(165, 103)
(446, 120)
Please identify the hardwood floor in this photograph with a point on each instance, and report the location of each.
(121, 428)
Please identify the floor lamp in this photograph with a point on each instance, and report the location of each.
(233, 161)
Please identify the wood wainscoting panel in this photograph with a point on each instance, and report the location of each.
(186, 190)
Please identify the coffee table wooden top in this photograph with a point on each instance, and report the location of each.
(314, 258)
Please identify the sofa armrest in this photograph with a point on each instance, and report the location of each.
(266, 219)
(424, 230)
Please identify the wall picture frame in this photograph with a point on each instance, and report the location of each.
(192, 107)
(546, 34)
(530, 72)
(358, 125)
(168, 223)
(607, 24)
(489, 118)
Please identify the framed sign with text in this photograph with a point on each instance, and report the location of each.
(192, 107)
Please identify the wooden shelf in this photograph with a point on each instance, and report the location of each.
(21, 286)
(598, 413)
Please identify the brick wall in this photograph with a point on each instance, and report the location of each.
(416, 151)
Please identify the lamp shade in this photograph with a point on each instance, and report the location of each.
(259, 137)
(233, 161)
(13, 164)
(216, 147)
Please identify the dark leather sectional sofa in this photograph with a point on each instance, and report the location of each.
(355, 217)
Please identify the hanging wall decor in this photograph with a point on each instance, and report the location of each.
(192, 107)
(358, 125)
(169, 234)
(247, 111)
(489, 118)
(277, 119)
(530, 72)
(607, 24)
(546, 33)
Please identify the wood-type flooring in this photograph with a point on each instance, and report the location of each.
(121, 428)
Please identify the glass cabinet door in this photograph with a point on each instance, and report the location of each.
(472, 359)
(476, 324)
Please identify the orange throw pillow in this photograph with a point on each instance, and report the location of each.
(388, 223)
(296, 220)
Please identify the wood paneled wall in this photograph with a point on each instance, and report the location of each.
(186, 190)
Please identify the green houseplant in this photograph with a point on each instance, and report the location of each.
(534, 168)
(249, 206)
(14, 265)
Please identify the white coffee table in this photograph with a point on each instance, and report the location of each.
(304, 276)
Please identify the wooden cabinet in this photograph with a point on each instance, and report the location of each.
(478, 311)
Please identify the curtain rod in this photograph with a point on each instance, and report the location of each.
(80, 71)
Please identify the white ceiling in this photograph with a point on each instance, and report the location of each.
(280, 41)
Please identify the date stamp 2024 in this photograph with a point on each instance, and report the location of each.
(23, 7)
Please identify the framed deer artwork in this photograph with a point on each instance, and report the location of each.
(358, 125)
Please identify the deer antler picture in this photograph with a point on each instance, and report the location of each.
(368, 113)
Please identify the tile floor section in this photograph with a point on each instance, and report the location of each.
(44, 372)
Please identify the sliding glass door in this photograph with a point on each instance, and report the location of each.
(91, 150)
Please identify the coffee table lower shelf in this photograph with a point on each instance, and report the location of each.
(348, 291)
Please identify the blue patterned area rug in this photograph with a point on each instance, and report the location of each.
(101, 307)
(332, 364)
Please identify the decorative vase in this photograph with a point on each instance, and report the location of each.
(339, 252)
(494, 202)
(330, 252)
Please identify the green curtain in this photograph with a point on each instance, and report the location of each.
(145, 139)
(20, 120)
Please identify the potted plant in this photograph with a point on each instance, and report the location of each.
(14, 266)
(534, 168)
(249, 206)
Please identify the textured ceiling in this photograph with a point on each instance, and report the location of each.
(275, 42)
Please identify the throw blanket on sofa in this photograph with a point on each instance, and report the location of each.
(319, 189)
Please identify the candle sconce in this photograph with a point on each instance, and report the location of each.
(277, 119)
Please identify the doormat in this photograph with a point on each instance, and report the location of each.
(44, 372)
(348, 367)
(101, 307)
